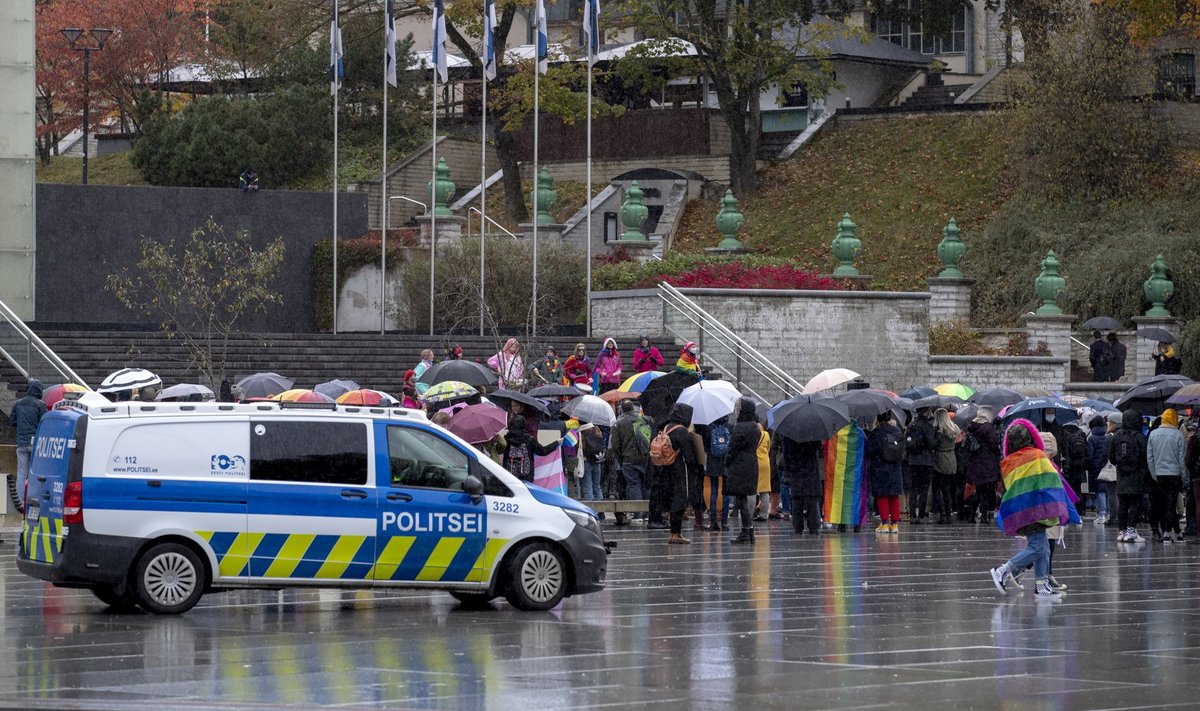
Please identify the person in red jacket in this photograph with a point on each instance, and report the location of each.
(646, 357)
(578, 368)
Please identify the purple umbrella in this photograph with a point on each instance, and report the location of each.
(478, 423)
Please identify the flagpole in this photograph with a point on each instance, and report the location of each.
(482, 195)
(536, 82)
(433, 205)
(588, 193)
(336, 87)
(384, 201)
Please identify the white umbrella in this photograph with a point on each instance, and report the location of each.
(831, 378)
(710, 400)
(589, 408)
(335, 388)
(184, 390)
(128, 379)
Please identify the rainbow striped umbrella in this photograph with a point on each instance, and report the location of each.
(367, 398)
(448, 390)
(637, 383)
(54, 393)
(957, 390)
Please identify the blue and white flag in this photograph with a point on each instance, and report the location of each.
(591, 28)
(543, 43)
(389, 45)
(489, 39)
(337, 65)
(439, 41)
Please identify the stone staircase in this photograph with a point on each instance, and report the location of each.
(372, 360)
(934, 93)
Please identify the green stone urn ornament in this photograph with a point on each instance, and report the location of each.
(846, 248)
(951, 250)
(445, 190)
(1158, 288)
(633, 214)
(546, 197)
(1050, 286)
(729, 221)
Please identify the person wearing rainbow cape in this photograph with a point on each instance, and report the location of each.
(1034, 500)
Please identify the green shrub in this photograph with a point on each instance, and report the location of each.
(637, 275)
(956, 337)
(508, 285)
(283, 136)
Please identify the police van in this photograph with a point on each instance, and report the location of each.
(153, 505)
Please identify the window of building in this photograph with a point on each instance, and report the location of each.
(912, 36)
(1177, 74)
(312, 452)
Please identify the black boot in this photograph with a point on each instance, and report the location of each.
(746, 536)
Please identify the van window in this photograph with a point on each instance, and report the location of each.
(422, 459)
(317, 452)
(180, 450)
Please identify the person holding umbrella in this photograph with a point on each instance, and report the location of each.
(885, 450)
(1117, 353)
(1166, 362)
(1165, 457)
(919, 442)
(1099, 356)
(1127, 452)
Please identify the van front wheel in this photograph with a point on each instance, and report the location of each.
(537, 578)
(169, 580)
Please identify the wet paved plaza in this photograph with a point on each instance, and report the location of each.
(838, 621)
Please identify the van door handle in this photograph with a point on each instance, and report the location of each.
(397, 496)
(42, 478)
(353, 494)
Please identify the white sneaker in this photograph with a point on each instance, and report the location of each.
(1134, 536)
(1043, 591)
(1054, 584)
(998, 580)
(1123, 536)
(1011, 580)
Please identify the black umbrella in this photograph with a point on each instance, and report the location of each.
(1102, 323)
(867, 402)
(936, 401)
(918, 392)
(1153, 393)
(660, 395)
(464, 371)
(996, 398)
(505, 398)
(1161, 335)
(811, 419)
(264, 385)
(555, 390)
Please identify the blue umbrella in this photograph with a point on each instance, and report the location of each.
(1100, 405)
(1035, 405)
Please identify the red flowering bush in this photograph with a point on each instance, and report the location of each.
(738, 275)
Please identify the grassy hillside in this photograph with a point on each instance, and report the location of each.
(114, 169)
(900, 179)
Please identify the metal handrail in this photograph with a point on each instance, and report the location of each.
(745, 353)
(488, 219)
(33, 343)
(709, 359)
(1086, 347)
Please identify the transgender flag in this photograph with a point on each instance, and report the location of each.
(548, 472)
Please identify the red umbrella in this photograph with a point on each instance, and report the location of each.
(478, 423)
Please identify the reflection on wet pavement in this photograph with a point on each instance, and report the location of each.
(843, 620)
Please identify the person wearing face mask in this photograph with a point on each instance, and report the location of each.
(1051, 424)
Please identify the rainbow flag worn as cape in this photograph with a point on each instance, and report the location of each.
(1033, 493)
(845, 489)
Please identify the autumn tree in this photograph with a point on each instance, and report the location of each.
(743, 49)
(199, 292)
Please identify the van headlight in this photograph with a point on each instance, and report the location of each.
(585, 520)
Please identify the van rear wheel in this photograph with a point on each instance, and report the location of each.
(169, 579)
(537, 578)
(108, 595)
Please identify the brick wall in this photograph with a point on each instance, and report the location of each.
(982, 372)
(883, 335)
(949, 299)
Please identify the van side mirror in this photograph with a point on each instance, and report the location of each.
(474, 487)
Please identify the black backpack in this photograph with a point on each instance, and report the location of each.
(971, 443)
(892, 447)
(1125, 451)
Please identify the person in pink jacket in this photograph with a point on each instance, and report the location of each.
(608, 368)
(646, 357)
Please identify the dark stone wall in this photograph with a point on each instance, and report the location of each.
(85, 233)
